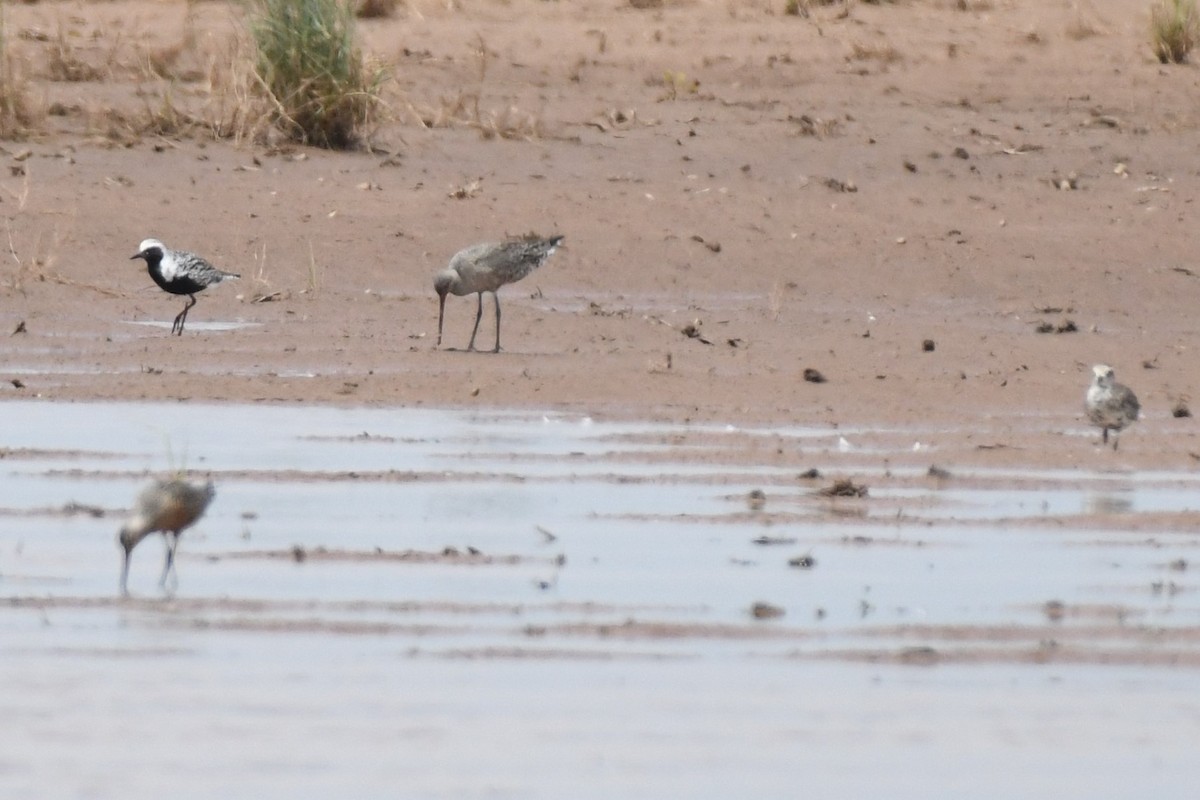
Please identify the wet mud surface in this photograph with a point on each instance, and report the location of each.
(377, 593)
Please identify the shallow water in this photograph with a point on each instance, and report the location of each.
(999, 633)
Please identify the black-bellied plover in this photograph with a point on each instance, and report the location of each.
(1110, 405)
(179, 272)
(485, 268)
(168, 505)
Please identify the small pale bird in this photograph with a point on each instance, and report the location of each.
(168, 505)
(485, 268)
(179, 272)
(1111, 406)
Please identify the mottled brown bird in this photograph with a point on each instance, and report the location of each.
(168, 505)
(485, 268)
(1111, 406)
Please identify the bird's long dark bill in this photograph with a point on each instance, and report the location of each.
(441, 313)
(135, 255)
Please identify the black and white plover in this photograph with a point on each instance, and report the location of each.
(485, 268)
(1111, 406)
(179, 272)
(168, 505)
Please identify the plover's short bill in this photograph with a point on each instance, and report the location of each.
(485, 268)
(179, 272)
(1110, 406)
(168, 505)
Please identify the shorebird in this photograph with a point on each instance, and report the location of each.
(168, 505)
(179, 272)
(1110, 405)
(485, 268)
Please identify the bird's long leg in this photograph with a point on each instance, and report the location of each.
(1115, 440)
(125, 574)
(478, 316)
(169, 565)
(177, 326)
(496, 297)
(1105, 438)
(441, 313)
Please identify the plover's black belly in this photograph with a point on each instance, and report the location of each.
(181, 285)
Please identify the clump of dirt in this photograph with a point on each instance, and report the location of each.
(844, 487)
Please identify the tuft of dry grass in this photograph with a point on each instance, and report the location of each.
(33, 242)
(20, 116)
(677, 83)
(883, 52)
(511, 123)
(463, 109)
(808, 125)
(237, 106)
(1174, 30)
(165, 118)
(65, 63)
(1081, 28)
(309, 63)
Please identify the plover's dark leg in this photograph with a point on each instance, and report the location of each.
(496, 297)
(177, 326)
(478, 316)
(1105, 437)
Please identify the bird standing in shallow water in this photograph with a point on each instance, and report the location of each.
(179, 272)
(167, 505)
(485, 268)
(1110, 405)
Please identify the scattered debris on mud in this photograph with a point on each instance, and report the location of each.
(772, 540)
(844, 487)
(761, 610)
(1066, 326)
(805, 561)
(450, 555)
(937, 472)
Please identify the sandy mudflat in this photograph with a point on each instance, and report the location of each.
(721, 205)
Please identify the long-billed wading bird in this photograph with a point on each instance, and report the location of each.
(168, 505)
(1110, 405)
(485, 268)
(179, 272)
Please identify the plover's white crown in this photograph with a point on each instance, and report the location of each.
(148, 243)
